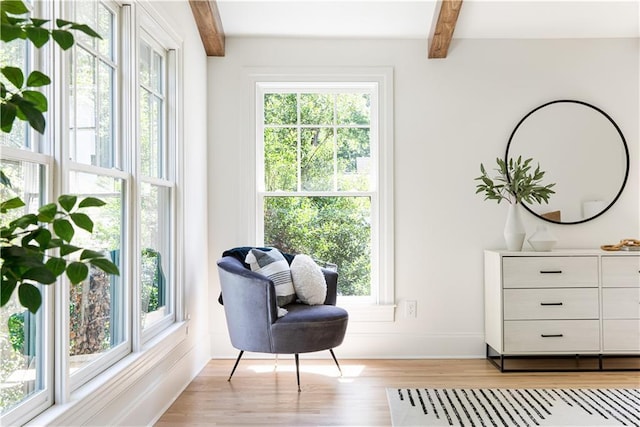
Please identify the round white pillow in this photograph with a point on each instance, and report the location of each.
(308, 280)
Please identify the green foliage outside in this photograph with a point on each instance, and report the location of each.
(330, 229)
(320, 143)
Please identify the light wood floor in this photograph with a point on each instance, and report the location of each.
(260, 395)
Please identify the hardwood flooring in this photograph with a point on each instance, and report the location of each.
(260, 395)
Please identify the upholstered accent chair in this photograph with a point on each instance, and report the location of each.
(249, 301)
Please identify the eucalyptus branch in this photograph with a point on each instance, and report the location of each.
(514, 182)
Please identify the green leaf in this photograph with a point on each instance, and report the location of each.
(14, 75)
(8, 113)
(38, 79)
(10, 32)
(39, 36)
(67, 201)
(37, 99)
(75, 26)
(43, 237)
(86, 29)
(63, 38)
(40, 275)
(105, 265)
(91, 202)
(6, 289)
(30, 297)
(4, 180)
(83, 221)
(47, 213)
(77, 272)
(88, 254)
(56, 266)
(68, 249)
(63, 229)
(14, 7)
(38, 22)
(28, 111)
(24, 221)
(14, 203)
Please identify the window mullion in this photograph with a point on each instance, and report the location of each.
(298, 142)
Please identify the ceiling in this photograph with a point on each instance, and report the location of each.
(414, 18)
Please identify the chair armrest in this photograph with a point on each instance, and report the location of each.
(249, 305)
(331, 277)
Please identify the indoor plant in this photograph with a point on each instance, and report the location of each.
(34, 246)
(515, 183)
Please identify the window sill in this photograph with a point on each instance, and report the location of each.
(90, 398)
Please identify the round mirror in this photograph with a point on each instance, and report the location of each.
(582, 150)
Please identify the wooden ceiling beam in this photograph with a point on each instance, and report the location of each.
(442, 29)
(209, 25)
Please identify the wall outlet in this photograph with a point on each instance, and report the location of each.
(411, 309)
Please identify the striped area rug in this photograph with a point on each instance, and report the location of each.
(514, 407)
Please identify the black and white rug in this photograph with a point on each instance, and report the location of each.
(514, 407)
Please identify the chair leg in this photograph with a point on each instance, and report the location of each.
(335, 360)
(236, 365)
(298, 372)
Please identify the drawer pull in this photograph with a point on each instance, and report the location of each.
(550, 271)
(550, 303)
(551, 335)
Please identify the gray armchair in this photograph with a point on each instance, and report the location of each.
(250, 308)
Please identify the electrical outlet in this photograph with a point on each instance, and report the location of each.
(411, 309)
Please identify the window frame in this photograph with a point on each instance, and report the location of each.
(52, 150)
(150, 30)
(39, 151)
(380, 306)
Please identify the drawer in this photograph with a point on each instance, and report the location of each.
(541, 272)
(621, 303)
(523, 304)
(621, 271)
(621, 335)
(551, 336)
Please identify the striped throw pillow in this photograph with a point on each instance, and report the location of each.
(273, 265)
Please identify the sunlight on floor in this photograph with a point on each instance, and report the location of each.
(349, 372)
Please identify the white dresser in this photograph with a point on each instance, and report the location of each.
(564, 302)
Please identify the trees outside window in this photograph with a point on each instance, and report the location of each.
(317, 180)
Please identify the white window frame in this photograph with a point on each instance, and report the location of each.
(152, 29)
(39, 152)
(67, 382)
(42, 399)
(380, 306)
(52, 151)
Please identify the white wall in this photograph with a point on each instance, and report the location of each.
(450, 115)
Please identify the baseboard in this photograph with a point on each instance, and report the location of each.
(136, 390)
(382, 346)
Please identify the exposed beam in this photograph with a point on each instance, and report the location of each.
(442, 29)
(209, 24)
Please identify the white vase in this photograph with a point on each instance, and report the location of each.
(542, 240)
(514, 231)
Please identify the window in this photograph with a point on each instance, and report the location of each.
(115, 125)
(156, 147)
(97, 306)
(26, 368)
(322, 150)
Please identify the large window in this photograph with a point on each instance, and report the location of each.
(318, 179)
(97, 305)
(156, 183)
(112, 134)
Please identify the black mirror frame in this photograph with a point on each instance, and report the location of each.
(624, 144)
